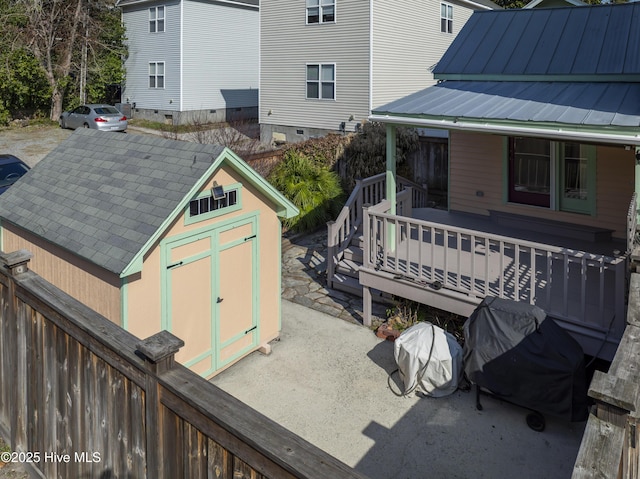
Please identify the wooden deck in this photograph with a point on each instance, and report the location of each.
(452, 261)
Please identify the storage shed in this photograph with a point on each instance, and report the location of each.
(157, 234)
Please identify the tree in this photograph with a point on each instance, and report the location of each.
(73, 41)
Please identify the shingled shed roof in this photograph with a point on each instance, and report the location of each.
(105, 197)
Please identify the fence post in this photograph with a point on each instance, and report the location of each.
(159, 354)
(16, 262)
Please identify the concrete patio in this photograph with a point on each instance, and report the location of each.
(326, 380)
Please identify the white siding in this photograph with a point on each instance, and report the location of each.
(145, 47)
(407, 42)
(288, 44)
(220, 56)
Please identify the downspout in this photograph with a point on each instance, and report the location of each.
(391, 182)
(637, 177)
(370, 56)
(180, 107)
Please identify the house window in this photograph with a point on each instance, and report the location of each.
(156, 75)
(551, 174)
(321, 11)
(446, 18)
(321, 81)
(208, 205)
(156, 19)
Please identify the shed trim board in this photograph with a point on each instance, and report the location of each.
(217, 344)
(284, 208)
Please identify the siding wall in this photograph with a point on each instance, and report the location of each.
(476, 161)
(93, 286)
(287, 44)
(407, 41)
(220, 56)
(145, 310)
(145, 47)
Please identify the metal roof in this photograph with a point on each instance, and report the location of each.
(107, 196)
(582, 42)
(607, 112)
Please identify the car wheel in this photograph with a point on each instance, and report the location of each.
(86, 125)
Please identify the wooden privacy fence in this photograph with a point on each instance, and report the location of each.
(611, 444)
(82, 398)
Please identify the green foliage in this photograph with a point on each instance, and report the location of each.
(324, 151)
(366, 155)
(23, 85)
(313, 188)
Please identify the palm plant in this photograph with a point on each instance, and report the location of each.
(313, 188)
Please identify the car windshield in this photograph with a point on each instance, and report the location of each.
(10, 173)
(107, 110)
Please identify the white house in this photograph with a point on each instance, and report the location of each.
(191, 60)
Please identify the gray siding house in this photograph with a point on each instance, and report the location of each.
(325, 64)
(191, 60)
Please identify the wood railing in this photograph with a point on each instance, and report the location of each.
(580, 288)
(369, 191)
(610, 445)
(632, 223)
(80, 397)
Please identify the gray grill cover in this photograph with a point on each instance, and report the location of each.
(517, 353)
(429, 360)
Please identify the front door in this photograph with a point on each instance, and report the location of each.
(210, 291)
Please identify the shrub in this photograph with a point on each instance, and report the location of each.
(313, 188)
(366, 154)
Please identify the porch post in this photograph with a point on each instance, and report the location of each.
(391, 182)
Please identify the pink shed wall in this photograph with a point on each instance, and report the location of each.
(144, 308)
(94, 286)
(476, 164)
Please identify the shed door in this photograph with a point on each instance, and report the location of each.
(211, 299)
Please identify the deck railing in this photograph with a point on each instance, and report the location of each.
(632, 223)
(577, 287)
(369, 191)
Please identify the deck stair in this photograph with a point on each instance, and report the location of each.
(345, 241)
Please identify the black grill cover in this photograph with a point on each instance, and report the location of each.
(518, 353)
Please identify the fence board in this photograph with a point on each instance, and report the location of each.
(72, 382)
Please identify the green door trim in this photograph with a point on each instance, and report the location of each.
(212, 231)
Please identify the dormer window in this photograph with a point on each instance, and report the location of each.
(321, 11)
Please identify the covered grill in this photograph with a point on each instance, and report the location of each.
(515, 352)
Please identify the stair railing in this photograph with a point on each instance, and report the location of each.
(369, 191)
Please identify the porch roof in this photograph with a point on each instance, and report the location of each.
(598, 111)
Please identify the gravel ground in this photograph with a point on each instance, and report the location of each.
(31, 143)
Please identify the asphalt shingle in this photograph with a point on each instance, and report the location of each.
(114, 188)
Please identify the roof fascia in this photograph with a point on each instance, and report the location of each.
(284, 208)
(126, 3)
(600, 78)
(477, 5)
(567, 132)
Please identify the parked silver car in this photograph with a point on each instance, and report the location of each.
(98, 117)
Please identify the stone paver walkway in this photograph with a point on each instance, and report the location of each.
(304, 280)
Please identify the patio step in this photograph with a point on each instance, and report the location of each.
(348, 268)
(551, 227)
(348, 284)
(354, 254)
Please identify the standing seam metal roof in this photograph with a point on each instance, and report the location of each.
(595, 40)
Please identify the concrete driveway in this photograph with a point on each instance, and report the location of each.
(326, 380)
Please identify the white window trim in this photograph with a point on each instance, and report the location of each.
(164, 75)
(155, 20)
(447, 5)
(335, 74)
(320, 22)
